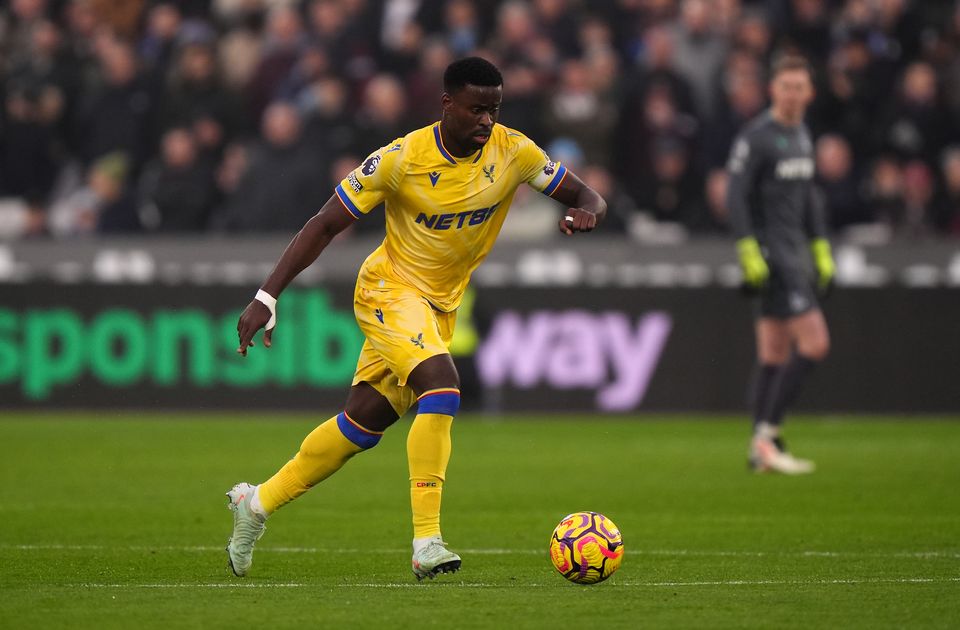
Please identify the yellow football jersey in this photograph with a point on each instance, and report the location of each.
(443, 213)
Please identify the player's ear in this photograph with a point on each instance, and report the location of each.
(446, 101)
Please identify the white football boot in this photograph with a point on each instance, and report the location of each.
(434, 558)
(769, 454)
(248, 527)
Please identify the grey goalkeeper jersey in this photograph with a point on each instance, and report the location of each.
(771, 194)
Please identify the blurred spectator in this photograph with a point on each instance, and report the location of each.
(33, 120)
(43, 62)
(329, 126)
(884, 190)
(839, 182)
(346, 30)
(916, 126)
(658, 124)
(752, 34)
(157, 44)
(177, 191)
(196, 96)
(382, 116)
(576, 110)
(698, 53)
(29, 151)
(655, 70)
(809, 28)
(946, 207)
(279, 189)
(121, 16)
(102, 205)
(671, 191)
(426, 83)
(230, 172)
(516, 28)
(461, 27)
(718, 214)
(743, 96)
(239, 54)
(117, 114)
(556, 21)
(24, 14)
(855, 85)
(282, 46)
(917, 195)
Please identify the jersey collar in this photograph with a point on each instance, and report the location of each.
(443, 150)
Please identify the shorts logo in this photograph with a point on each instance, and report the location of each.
(418, 341)
(798, 302)
(354, 183)
(550, 168)
(488, 172)
(371, 164)
(379, 314)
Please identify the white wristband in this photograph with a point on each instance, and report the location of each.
(271, 303)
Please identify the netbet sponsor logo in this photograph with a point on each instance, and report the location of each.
(607, 352)
(457, 220)
(46, 350)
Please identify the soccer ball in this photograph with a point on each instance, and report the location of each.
(586, 547)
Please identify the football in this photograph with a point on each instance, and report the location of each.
(586, 547)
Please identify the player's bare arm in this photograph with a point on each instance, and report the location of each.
(586, 208)
(305, 247)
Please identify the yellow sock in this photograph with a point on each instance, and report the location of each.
(322, 453)
(428, 451)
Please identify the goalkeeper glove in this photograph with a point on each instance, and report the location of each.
(754, 267)
(823, 261)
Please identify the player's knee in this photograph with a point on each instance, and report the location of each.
(364, 437)
(815, 349)
(443, 401)
(773, 353)
(437, 372)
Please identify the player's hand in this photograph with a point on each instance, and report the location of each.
(823, 261)
(253, 318)
(577, 220)
(754, 267)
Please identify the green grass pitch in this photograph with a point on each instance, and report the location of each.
(119, 520)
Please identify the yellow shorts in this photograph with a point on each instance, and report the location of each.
(402, 330)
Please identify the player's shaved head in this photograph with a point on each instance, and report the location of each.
(470, 71)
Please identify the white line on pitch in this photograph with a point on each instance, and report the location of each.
(839, 581)
(503, 552)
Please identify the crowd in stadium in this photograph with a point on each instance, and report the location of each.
(241, 115)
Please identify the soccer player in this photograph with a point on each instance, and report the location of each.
(447, 188)
(778, 222)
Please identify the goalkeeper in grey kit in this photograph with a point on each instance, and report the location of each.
(778, 221)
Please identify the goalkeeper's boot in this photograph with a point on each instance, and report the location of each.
(434, 558)
(248, 527)
(770, 454)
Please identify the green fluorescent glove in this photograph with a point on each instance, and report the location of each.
(755, 270)
(823, 260)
